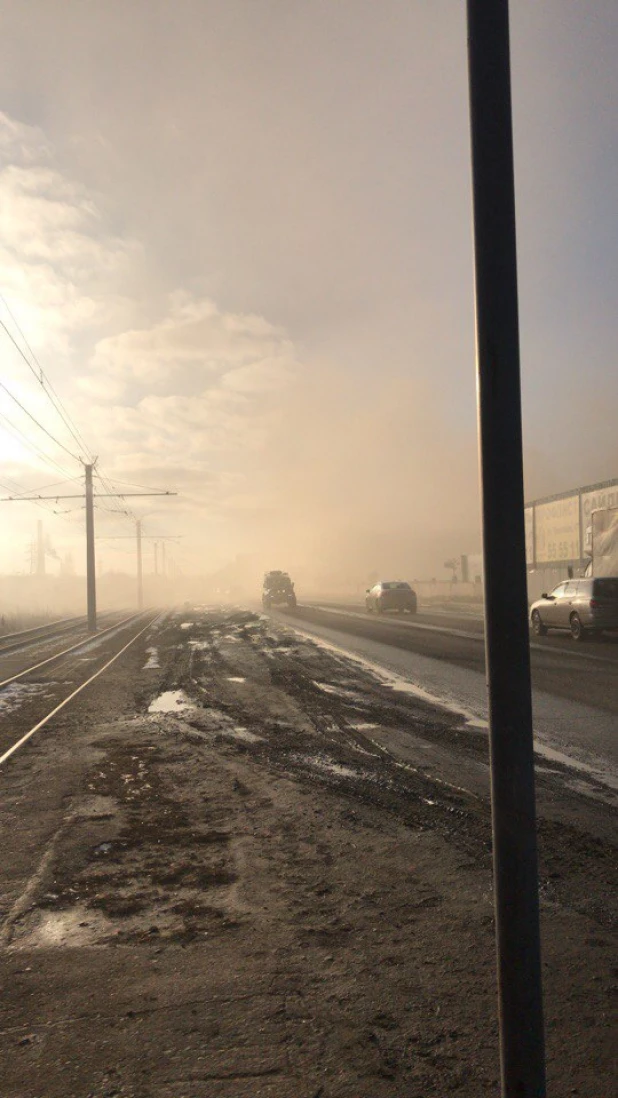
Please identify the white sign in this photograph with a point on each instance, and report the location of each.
(529, 528)
(557, 530)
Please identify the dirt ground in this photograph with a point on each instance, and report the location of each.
(217, 883)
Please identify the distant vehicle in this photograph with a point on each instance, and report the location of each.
(390, 595)
(582, 606)
(278, 590)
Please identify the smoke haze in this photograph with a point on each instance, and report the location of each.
(238, 238)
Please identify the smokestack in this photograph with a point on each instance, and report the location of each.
(40, 549)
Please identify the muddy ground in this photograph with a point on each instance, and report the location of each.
(217, 882)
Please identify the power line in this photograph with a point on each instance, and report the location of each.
(54, 484)
(22, 438)
(13, 486)
(132, 483)
(39, 425)
(44, 381)
(110, 488)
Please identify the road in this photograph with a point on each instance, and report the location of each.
(240, 862)
(575, 687)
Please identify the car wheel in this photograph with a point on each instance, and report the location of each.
(538, 628)
(577, 630)
(378, 608)
(368, 608)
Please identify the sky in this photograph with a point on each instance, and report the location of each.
(237, 237)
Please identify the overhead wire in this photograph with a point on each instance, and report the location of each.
(23, 439)
(134, 484)
(44, 381)
(11, 486)
(58, 406)
(38, 423)
(69, 423)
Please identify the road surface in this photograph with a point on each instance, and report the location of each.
(575, 694)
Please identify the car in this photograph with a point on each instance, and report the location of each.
(390, 595)
(278, 590)
(581, 606)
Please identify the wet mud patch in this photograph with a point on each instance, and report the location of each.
(152, 860)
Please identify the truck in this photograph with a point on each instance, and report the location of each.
(278, 590)
(601, 542)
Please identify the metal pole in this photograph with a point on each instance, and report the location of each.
(163, 568)
(506, 611)
(91, 581)
(140, 578)
(156, 558)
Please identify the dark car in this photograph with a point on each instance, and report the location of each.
(278, 590)
(391, 595)
(582, 606)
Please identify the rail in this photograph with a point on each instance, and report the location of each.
(42, 632)
(45, 720)
(90, 639)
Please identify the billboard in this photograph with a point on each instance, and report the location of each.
(557, 530)
(529, 529)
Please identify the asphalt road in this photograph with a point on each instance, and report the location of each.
(575, 687)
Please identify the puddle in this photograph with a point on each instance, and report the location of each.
(187, 624)
(172, 701)
(153, 659)
(13, 695)
(362, 726)
(235, 678)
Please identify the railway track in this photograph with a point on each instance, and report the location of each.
(20, 698)
(25, 638)
(23, 672)
(14, 642)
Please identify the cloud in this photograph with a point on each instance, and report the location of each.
(62, 270)
(196, 344)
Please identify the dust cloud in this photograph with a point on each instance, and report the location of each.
(362, 481)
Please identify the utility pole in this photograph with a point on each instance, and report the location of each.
(156, 558)
(163, 567)
(40, 549)
(522, 1054)
(91, 582)
(141, 537)
(140, 576)
(90, 556)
